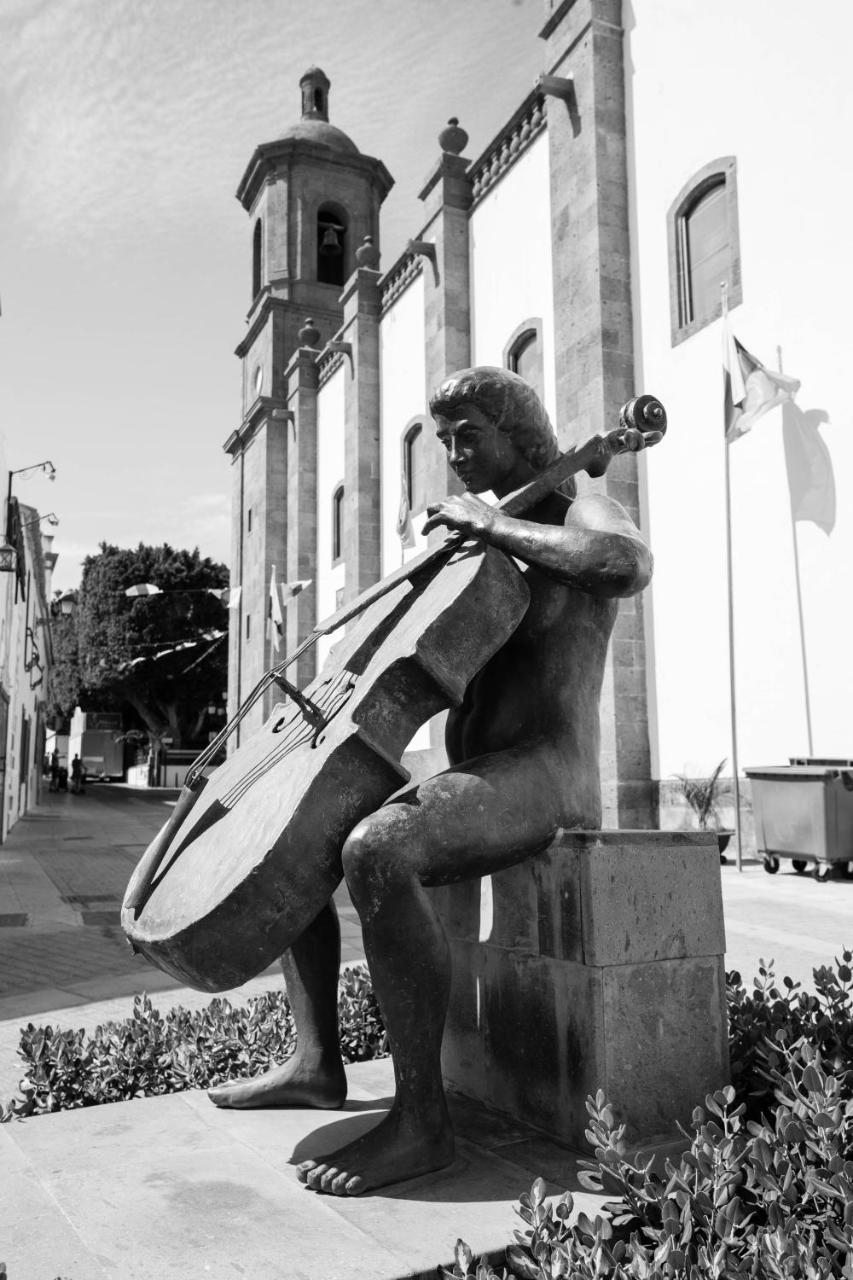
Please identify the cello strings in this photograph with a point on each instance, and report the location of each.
(330, 699)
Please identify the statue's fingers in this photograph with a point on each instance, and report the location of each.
(634, 440)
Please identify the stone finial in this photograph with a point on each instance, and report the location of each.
(367, 255)
(309, 334)
(453, 138)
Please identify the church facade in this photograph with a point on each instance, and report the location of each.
(584, 248)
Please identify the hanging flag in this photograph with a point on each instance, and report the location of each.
(276, 616)
(810, 476)
(230, 596)
(404, 516)
(143, 589)
(750, 390)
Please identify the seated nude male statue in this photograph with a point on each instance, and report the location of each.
(523, 750)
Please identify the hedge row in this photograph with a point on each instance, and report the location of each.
(150, 1053)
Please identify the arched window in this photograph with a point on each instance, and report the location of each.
(331, 245)
(414, 466)
(523, 354)
(257, 258)
(337, 523)
(704, 249)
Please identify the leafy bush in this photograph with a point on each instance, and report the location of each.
(766, 1186)
(148, 1054)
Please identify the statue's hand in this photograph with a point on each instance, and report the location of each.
(461, 511)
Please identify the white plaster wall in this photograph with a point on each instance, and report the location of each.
(402, 398)
(766, 82)
(330, 473)
(511, 262)
(402, 367)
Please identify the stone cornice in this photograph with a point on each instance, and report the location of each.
(269, 304)
(269, 155)
(264, 408)
(559, 11)
(513, 140)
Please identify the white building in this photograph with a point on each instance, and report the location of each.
(25, 656)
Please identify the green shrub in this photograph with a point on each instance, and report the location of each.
(149, 1053)
(766, 1186)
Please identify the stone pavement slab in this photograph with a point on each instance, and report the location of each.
(177, 1188)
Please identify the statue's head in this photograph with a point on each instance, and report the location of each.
(508, 401)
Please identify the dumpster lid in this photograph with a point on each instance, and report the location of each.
(830, 762)
(796, 772)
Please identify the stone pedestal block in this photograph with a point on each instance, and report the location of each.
(597, 964)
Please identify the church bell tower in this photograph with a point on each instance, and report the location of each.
(312, 198)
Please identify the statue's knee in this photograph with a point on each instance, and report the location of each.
(367, 857)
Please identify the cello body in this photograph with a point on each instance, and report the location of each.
(258, 855)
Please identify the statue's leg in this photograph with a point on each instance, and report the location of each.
(469, 821)
(314, 1075)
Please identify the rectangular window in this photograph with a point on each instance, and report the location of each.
(248, 626)
(249, 520)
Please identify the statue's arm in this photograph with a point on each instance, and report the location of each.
(598, 549)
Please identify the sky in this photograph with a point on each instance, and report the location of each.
(125, 260)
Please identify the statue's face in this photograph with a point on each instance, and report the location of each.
(482, 456)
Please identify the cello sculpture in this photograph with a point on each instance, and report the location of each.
(507, 624)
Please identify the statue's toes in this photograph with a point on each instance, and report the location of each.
(315, 1176)
(328, 1178)
(355, 1186)
(303, 1170)
(338, 1185)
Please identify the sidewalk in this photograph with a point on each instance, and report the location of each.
(64, 958)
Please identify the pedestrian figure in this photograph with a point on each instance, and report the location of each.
(76, 776)
(54, 771)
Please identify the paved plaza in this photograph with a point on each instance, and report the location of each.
(64, 958)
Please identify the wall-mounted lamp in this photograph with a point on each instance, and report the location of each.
(65, 603)
(46, 466)
(51, 518)
(8, 558)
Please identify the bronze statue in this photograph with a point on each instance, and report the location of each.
(523, 749)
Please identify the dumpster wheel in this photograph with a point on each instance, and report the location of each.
(821, 872)
(771, 864)
(799, 864)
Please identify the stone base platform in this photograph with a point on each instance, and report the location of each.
(174, 1188)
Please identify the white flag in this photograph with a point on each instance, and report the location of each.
(230, 596)
(275, 613)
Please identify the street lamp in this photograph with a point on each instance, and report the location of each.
(8, 555)
(51, 518)
(46, 466)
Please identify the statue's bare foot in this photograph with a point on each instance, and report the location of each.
(296, 1083)
(396, 1149)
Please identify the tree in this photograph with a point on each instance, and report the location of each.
(165, 655)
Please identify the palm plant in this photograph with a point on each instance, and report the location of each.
(703, 795)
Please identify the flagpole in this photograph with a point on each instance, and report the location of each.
(799, 602)
(730, 594)
(732, 698)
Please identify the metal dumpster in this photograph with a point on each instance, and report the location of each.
(804, 811)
